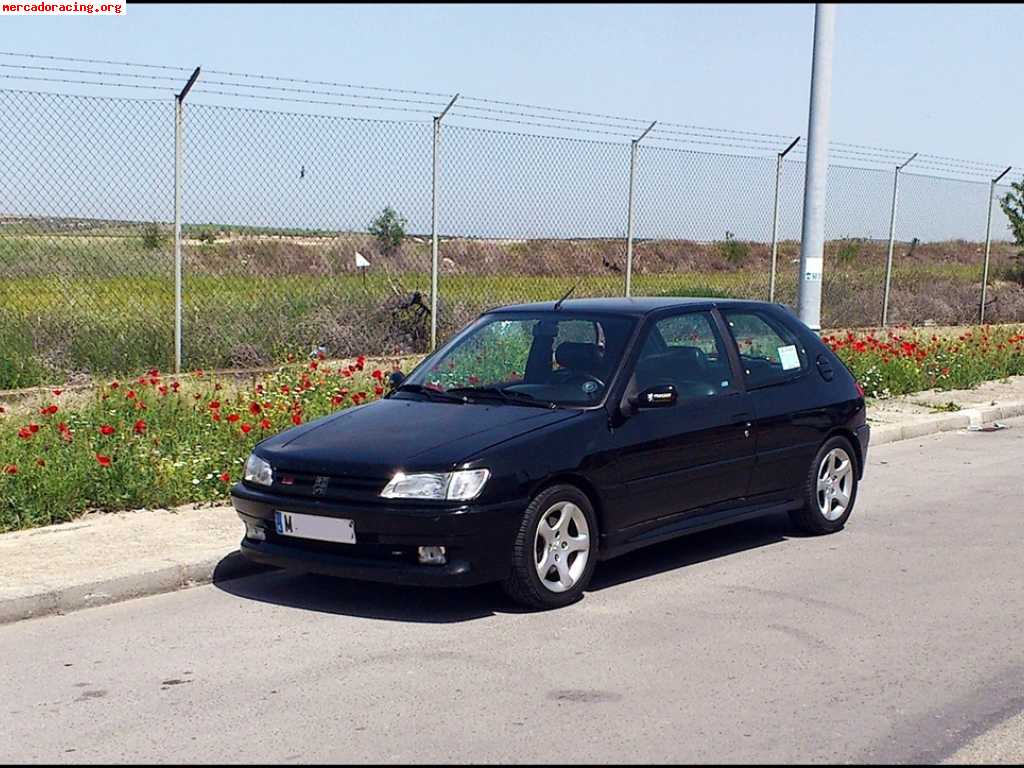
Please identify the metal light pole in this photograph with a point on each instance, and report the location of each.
(179, 127)
(433, 223)
(775, 216)
(892, 238)
(988, 243)
(629, 210)
(812, 236)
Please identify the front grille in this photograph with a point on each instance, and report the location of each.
(333, 488)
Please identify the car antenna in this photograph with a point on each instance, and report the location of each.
(567, 295)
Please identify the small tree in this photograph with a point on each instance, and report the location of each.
(1012, 204)
(152, 236)
(389, 229)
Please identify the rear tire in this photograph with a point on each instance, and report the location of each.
(555, 549)
(830, 489)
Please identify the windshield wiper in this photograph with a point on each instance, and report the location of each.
(519, 398)
(435, 394)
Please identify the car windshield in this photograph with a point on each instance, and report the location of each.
(549, 358)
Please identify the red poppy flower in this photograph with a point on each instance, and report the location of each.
(233, 417)
(265, 424)
(214, 405)
(130, 394)
(162, 390)
(254, 408)
(10, 469)
(296, 418)
(48, 410)
(175, 386)
(378, 374)
(107, 430)
(199, 373)
(225, 477)
(114, 385)
(140, 427)
(104, 461)
(56, 392)
(378, 391)
(337, 400)
(246, 428)
(40, 463)
(33, 428)
(215, 416)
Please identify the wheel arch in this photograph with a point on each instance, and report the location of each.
(851, 438)
(586, 487)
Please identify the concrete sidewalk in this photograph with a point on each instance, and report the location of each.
(105, 558)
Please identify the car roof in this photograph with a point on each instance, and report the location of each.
(633, 307)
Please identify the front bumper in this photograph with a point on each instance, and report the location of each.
(478, 539)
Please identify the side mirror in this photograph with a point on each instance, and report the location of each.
(660, 396)
(396, 378)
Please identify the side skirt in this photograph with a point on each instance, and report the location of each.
(677, 526)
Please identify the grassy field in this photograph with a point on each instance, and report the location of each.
(81, 299)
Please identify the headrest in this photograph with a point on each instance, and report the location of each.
(577, 356)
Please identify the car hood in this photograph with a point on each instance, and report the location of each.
(403, 434)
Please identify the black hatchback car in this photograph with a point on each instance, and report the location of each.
(545, 437)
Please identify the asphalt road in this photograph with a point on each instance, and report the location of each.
(898, 639)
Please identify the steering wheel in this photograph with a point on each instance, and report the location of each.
(570, 376)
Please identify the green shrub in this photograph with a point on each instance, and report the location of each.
(389, 229)
(153, 236)
(735, 252)
(848, 251)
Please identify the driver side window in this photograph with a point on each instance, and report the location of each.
(684, 350)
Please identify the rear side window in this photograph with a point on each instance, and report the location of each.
(769, 351)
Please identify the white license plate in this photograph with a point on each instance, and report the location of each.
(317, 527)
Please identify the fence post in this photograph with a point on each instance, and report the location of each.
(892, 239)
(775, 217)
(988, 244)
(433, 223)
(629, 211)
(179, 127)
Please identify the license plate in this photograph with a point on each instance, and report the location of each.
(317, 527)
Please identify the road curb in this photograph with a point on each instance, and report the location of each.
(943, 422)
(104, 592)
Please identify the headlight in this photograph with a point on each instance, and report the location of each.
(463, 485)
(258, 471)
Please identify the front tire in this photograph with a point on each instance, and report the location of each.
(555, 549)
(830, 489)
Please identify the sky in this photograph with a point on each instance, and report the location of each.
(929, 78)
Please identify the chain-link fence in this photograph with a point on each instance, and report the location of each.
(302, 231)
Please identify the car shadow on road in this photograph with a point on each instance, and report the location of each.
(327, 594)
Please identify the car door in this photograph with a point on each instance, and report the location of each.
(697, 453)
(788, 417)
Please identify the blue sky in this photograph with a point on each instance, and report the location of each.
(929, 78)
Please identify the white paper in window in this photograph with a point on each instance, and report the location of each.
(789, 358)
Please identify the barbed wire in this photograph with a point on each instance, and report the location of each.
(538, 116)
